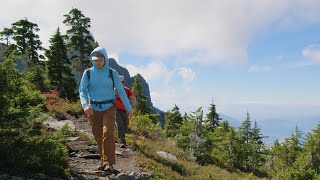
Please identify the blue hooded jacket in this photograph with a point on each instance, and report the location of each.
(100, 87)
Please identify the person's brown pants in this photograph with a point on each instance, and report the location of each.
(103, 126)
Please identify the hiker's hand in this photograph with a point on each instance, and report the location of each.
(129, 114)
(88, 111)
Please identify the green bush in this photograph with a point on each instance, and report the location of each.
(36, 155)
(25, 147)
(143, 125)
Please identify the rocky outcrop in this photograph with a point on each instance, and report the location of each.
(145, 87)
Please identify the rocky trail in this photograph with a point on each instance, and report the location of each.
(84, 158)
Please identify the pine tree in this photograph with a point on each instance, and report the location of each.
(310, 157)
(28, 44)
(183, 136)
(287, 159)
(173, 121)
(27, 40)
(294, 146)
(232, 146)
(224, 144)
(198, 115)
(59, 72)
(213, 118)
(245, 129)
(80, 40)
(195, 138)
(21, 130)
(7, 33)
(141, 99)
(245, 134)
(257, 157)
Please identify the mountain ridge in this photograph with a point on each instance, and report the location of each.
(145, 87)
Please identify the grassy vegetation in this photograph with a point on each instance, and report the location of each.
(185, 167)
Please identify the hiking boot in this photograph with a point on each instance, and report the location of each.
(122, 145)
(102, 167)
(109, 168)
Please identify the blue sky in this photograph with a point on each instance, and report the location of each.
(257, 56)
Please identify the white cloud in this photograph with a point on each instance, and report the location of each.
(187, 73)
(257, 69)
(166, 98)
(312, 53)
(48, 15)
(218, 31)
(115, 56)
(151, 71)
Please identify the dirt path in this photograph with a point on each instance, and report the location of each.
(84, 159)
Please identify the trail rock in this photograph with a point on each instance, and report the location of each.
(57, 125)
(166, 155)
(72, 138)
(123, 176)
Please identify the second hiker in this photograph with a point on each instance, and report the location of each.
(122, 117)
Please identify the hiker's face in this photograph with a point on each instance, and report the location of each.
(99, 63)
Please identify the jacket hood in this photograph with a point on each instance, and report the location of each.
(106, 59)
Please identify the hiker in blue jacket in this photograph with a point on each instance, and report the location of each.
(97, 98)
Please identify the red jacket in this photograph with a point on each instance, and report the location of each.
(119, 104)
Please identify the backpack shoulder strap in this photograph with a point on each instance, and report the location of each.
(111, 75)
(88, 74)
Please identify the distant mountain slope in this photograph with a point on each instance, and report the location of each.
(233, 122)
(145, 87)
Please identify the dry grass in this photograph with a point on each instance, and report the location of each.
(59, 107)
(183, 168)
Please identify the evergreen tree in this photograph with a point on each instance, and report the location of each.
(28, 44)
(287, 159)
(245, 129)
(232, 146)
(7, 33)
(216, 144)
(198, 115)
(27, 40)
(257, 157)
(275, 162)
(195, 137)
(244, 152)
(294, 146)
(225, 126)
(25, 148)
(141, 99)
(59, 72)
(310, 157)
(212, 117)
(183, 136)
(80, 40)
(173, 121)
